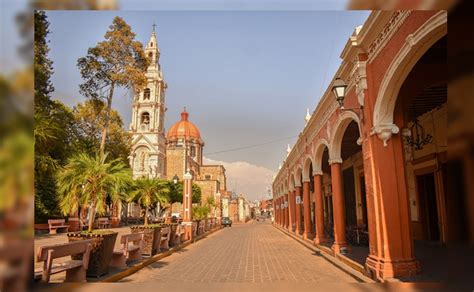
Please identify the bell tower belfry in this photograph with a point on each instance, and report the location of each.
(148, 154)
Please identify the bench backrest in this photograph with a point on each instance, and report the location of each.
(52, 222)
(103, 220)
(131, 237)
(62, 250)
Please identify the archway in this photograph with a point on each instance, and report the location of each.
(421, 113)
(324, 234)
(347, 169)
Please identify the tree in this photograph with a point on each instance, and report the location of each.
(149, 191)
(89, 120)
(176, 193)
(43, 66)
(88, 180)
(117, 61)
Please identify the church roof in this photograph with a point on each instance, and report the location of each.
(184, 129)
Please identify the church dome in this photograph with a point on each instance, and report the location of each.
(184, 129)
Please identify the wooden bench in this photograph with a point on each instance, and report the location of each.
(57, 224)
(180, 234)
(103, 223)
(131, 250)
(165, 238)
(75, 269)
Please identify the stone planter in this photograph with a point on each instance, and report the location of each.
(151, 241)
(102, 249)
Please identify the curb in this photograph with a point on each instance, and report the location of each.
(136, 267)
(336, 261)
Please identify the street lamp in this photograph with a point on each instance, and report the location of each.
(175, 179)
(339, 89)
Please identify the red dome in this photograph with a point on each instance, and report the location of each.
(184, 129)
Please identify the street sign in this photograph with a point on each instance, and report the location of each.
(298, 200)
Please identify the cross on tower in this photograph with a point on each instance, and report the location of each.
(154, 25)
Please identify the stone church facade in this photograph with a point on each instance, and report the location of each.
(157, 155)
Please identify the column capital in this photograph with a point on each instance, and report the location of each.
(335, 160)
(317, 172)
(306, 180)
(297, 185)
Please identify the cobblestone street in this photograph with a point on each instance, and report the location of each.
(246, 253)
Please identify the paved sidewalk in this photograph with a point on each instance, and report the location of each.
(247, 253)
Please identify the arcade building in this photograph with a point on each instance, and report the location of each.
(366, 180)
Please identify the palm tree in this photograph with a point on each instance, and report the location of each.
(88, 180)
(149, 191)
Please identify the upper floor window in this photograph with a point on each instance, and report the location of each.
(150, 55)
(146, 94)
(207, 176)
(193, 151)
(151, 44)
(145, 119)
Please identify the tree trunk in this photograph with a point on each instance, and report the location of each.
(146, 216)
(91, 218)
(107, 118)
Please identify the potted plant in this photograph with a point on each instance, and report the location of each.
(147, 192)
(87, 181)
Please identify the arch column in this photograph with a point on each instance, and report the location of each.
(319, 210)
(292, 211)
(279, 211)
(286, 211)
(308, 232)
(297, 220)
(338, 207)
(391, 249)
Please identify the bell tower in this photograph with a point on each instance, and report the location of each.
(147, 157)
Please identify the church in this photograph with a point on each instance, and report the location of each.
(157, 154)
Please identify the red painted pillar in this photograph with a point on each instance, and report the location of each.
(319, 210)
(278, 211)
(338, 207)
(298, 209)
(188, 205)
(308, 232)
(292, 211)
(286, 211)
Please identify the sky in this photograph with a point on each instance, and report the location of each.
(245, 77)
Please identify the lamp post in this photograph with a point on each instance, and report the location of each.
(188, 204)
(175, 179)
(339, 89)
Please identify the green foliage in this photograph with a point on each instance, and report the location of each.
(119, 60)
(176, 193)
(89, 119)
(43, 66)
(148, 191)
(201, 212)
(89, 180)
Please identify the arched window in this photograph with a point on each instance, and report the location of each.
(193, 151)
(151, 44)
(146, 93)
(150, 55)
(145, 119)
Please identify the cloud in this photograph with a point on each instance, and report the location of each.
(245, 178)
